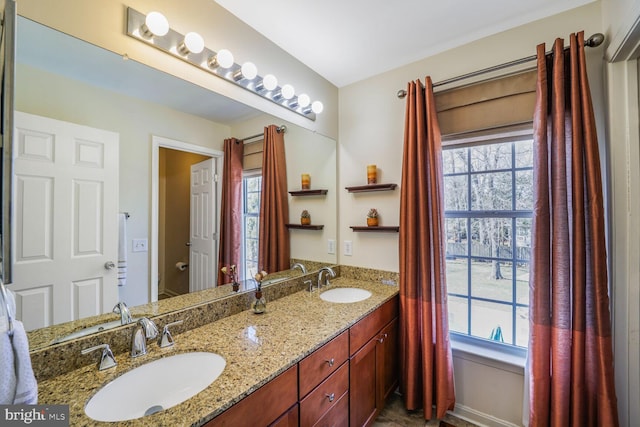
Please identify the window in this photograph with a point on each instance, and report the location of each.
(251, 188)
(488, 192)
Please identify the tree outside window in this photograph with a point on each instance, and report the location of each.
(488, 209)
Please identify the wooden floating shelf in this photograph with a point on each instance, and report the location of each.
(305, 227)
(379, 228)
(371, 187)
(308, 192)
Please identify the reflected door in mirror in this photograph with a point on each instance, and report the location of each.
(66, 204)
(202, 254)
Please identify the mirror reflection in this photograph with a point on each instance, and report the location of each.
(134, 134)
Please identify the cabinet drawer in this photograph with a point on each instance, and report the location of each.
(338, 416)
(324, 397)
(271, 401)
(365, 329)
(323, 362)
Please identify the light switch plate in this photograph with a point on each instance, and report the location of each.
(331, 246)
(348, 248)
(140, 245)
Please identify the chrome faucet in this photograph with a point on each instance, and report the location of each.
(125, 315)
(106, 360)
(145, 329)
(329, 272)
(300, 266)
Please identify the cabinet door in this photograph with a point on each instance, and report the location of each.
(265, 405)
(388, 360)
(289, 419)
(363, 402)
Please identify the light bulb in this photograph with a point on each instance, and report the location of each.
(223, 59)
(304, 100)
(288, 91)
(193, 42)
(247, 71)
(317, 107)
(270, 82)
(155, 24)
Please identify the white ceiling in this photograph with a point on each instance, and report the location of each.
(349, 40)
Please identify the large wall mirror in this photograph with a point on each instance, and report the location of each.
(60, 79)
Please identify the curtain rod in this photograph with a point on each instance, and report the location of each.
(593, 41)
(282, 128)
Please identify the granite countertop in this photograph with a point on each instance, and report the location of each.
(257, 348)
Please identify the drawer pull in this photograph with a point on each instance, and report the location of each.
(330, 396)
(382, 338)
(330, 362)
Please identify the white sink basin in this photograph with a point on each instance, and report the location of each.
(155, 386)
(345, 295)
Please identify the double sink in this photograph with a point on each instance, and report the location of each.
(166, 382)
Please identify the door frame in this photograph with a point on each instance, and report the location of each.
(158, 142)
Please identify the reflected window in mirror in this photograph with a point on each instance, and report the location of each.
(251, 187)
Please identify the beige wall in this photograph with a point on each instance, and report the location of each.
(102, 22)
(371, 131)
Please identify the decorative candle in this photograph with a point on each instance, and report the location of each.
(372, 171)
(306, 181)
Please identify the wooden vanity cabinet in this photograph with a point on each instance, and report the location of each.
(374, 364)
(266, 405)
(324, 384)
(343, 383)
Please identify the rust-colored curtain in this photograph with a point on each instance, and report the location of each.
(231, 208)
(273, 246)
(425, 350)
(570, 376)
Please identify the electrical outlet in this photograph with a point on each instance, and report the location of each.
(140, 245)
(348, 248)
(331, 246)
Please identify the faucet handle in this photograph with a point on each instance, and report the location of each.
(310, 283)
(166, 340)
(125, 315)
(106, 360)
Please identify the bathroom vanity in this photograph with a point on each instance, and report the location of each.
(305, 361)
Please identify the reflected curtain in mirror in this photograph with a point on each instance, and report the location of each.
(231, 208)
(571, 378)
(426, 372)
(274, 250)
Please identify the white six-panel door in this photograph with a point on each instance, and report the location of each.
(202, 254)
(64, 220)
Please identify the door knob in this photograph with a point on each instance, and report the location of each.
(188, 244)
(109, 265)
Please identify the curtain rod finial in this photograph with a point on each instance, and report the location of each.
(401, 93)
(595, 40)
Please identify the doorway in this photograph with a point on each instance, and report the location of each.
(176, 223)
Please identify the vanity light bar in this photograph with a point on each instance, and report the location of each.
(220, 64)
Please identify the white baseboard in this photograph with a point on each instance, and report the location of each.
(476, 417)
